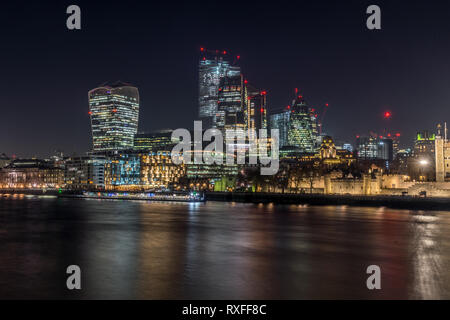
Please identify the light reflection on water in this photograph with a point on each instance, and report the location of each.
(214, 250)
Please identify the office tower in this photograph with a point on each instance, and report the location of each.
(424, 144)
(87, 172)
(230, 113)
(385, 149)
(374, 147)
(303, 131)
(367, 147)
(422, 164)
(114, 111)
(395, 143)
(348, 147)
(255, 111)
(213, 66)
(279, 119)
(157, 140)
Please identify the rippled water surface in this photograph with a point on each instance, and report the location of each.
(218, 250)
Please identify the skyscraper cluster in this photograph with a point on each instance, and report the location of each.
(124, 159)
(226, 99)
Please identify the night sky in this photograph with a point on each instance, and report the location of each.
(321, 47)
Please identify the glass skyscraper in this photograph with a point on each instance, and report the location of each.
(374, 147)
(280, 120)
(255, 110)
(213, 66)
(114, 111)
(302, 131)
(230, 113)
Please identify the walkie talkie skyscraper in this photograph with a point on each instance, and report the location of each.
(114, 111)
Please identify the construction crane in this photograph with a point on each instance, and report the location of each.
(322, 117)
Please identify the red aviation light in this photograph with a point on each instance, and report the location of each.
(262, 110)
(326, 104)
(389, 135)
(300, 97)
(90, 113)
(263, 93)
(296, 91)
(288, 107)
(204, 58)
(313, 110)
(387, 114)
(238, 57)
(357, 137)
(202, 49)
(397, 134)
(224, 52)
(245, 81)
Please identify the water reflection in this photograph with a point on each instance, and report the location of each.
(213, 250)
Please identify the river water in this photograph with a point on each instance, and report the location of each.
(219, 250)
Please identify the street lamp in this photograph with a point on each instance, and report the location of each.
(423, 163)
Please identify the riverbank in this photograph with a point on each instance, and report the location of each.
(396, 202)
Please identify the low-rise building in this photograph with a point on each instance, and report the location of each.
(31, 174)
(85, 173)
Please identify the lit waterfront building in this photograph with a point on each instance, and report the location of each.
(213, 66)
(86, 172)
(31, 174)
(159, 171)
(123, 170)
(114, 111)
(302, 130)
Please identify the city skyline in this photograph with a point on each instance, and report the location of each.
(360, 74)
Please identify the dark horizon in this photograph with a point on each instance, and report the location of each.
(322, 48)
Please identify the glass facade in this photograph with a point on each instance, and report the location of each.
(255, 111)
(302, 131)
(123, 169)
(85, 172)
(212, 68)
(159, 140)
(280, 120)
(370, 148)
(114, 111)
(230, 113)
